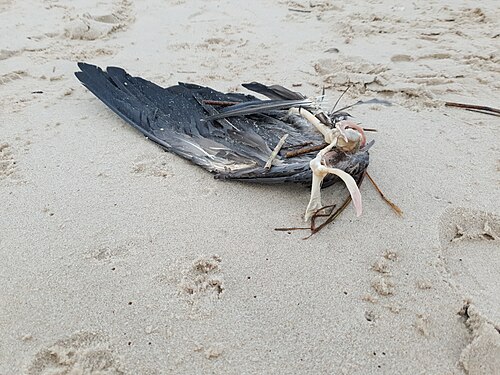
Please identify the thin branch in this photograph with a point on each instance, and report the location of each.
(394, 207)
(333, 215)
(220, 103)
(318, 214)
(300, 145)
(330, 218)
(305, 150)
(483, 112)
(338, 100)
(487, 110)
(299, 10)
(275, 151)
(290, 229)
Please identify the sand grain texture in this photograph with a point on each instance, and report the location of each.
(118, 258)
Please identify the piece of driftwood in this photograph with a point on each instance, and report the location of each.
(476, 108)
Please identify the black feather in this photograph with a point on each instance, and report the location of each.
(179, 120)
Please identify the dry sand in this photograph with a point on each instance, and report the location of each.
(118, 258)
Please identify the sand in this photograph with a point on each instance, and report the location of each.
(119, 258)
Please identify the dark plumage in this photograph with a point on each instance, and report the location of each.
(232, 142)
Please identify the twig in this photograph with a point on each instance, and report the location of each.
(303, 144)
(330, 218)
(212, 111)
(315, 216)
(487, 110)
(219, 102)
(318, 214)
(305, 150)
(275, 151)
(290, 229)
(394, 207)
(299, 10)
(483, 112)
(338, 100)
(333, 215)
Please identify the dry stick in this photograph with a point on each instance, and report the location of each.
(318, 214)
(305, 150)
(300, 145)
(315, 216)
(332, 217)
(299, 10)
(340, 97)
(472, 106)
(394, 207)
(220, 103)
(291, 228)
(483, 112)
(275, 151)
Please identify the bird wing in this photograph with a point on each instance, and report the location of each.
(176, 119)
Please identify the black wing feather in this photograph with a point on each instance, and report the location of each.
(275, 92)
(176, 118)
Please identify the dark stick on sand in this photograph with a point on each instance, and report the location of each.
(299, 10)
(482, 108)
(394, 207)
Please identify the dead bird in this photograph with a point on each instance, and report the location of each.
(233, 135)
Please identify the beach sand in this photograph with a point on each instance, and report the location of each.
(119, 258)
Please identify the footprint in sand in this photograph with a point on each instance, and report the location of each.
(203, 278)
(5, 5)
(8, 164)
(112, 250)
(470, 241)
(199, 283)
(6, 54)
(153, 166)
(92, 27)
(482, 355)
(81, 353)
(12, 76)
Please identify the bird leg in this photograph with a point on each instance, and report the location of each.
(346, 139)
(328, 133)
(320, 171)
